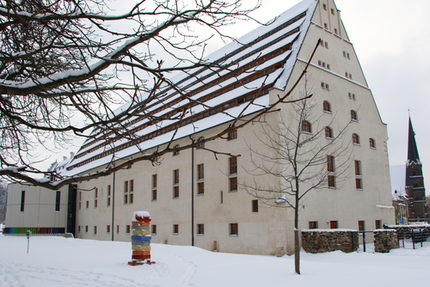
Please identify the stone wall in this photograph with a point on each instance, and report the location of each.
(319, 241)
(385, 240)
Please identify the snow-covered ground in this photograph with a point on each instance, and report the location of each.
(57, 261)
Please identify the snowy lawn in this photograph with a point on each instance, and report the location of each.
(57, 261)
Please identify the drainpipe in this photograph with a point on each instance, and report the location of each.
(113, 206)
(192, 194)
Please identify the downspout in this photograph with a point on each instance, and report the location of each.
(113, 206)
(192, 194)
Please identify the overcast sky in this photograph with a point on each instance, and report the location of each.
(392, 41)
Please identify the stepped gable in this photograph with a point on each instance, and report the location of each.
(251, 66)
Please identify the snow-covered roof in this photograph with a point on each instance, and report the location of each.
(248, 69)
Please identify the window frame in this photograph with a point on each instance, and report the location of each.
(57, 200)
(355, 139)
(200, 228)
(354, 115)
(327, 107)
(372, 143)
(175, 229)
(306, 127)
(254, 205)
(234, 229)
(328, 131)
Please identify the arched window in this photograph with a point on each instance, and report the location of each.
(354, 116)
(200, 142)
(372, 143)
(176, 150)
(355, 139)
(326, 107)
(306, 126)
(328, 132)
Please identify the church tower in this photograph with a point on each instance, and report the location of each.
(415, 190)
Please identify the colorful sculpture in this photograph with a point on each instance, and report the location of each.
(141, 238)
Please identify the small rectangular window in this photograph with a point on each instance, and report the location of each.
(108, 228)
(200, 188)
(200, 171)
(154, 229)
(154, 181)
(330, 163)
(357, 165)
(331, 181)
(175, 228)
(176, 191)
(109, 196)
(233, 183)
(95, 229)
(86, 228)
(233, 165)
(57, 200)
(80, 200)
(234, 229)
(313, 224)
(125, 192)
(378, 224)
(117, 229)
(127, 229)
(22, 200)
(333, 224)
(131, 191)
(96, 194)
(254, 205)
(361, 225)
(176, 176)
(200, 229)
(154, 187)
(358, 183)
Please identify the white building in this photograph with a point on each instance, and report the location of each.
(195, 197)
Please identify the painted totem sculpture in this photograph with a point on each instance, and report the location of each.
(141, 238)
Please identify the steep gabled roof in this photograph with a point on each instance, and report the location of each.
(249, 68)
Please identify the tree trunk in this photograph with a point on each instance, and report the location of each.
(297, 251)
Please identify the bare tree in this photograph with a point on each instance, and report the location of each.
(300, 156)
(65, 66)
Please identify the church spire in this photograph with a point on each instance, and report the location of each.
(415, 181)
(413, 156)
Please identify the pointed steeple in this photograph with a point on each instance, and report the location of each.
(413, 156)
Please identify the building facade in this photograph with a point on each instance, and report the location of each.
(196, 196)
(37, 209)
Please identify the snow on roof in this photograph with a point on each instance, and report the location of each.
(248, 69)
